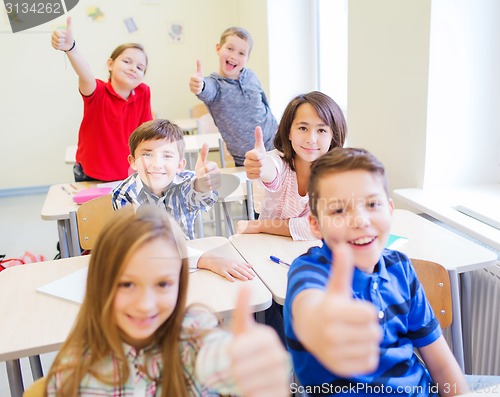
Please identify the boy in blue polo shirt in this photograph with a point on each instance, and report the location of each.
(354, 332)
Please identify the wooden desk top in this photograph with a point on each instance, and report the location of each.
(432, 242)
(426, 240)
(36, 323)
(256, 249)
(195, 142)
(59, 200)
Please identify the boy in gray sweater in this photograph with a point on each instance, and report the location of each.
(234, 96)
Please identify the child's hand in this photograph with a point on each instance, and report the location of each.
(226, 267)
(63, 39)
(196, 81)
(248, 227)
(208, 176)
(348, 335)
(260, 365)
(254, 158)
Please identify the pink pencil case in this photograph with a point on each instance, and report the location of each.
(92, 193)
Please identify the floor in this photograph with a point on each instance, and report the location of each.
(22, 229)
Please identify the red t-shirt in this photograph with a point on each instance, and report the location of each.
(108, 121)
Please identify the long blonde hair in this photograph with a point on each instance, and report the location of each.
(95, 334)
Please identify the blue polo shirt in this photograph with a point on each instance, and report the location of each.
(405, 316)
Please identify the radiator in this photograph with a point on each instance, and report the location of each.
(485, 322)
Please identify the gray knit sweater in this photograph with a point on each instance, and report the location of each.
(237, 107)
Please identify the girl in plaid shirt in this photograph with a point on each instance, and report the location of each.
(134, 336)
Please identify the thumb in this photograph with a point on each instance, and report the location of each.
(340, 283)
(242, 318)
(69, 24)
(198, 68)
(259, 139)
(203, 153)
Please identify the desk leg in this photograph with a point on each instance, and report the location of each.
(190, 162)
(36, 367)
(456, 325)
(73, 239)
(260, 317)
(15, 378)
(62, 230)
(229, 220)
(466, 289)
(218, 226)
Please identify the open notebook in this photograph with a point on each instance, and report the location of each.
(72, 286)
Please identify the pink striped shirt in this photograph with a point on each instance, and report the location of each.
(283, 201)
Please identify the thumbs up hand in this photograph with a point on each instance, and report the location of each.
(343, 333)
(208, 175)
(254, 159)
(260, 365)
(63, 39)
(196, 81)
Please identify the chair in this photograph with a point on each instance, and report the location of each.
(198, 110)
(89, 219)
(37, 389)
(436, 283)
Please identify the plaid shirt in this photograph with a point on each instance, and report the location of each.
(207, 366)
(180, 199)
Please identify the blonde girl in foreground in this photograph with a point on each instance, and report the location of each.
(134, 335)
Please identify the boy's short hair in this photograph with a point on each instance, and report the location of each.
(341, 160)
(155, 130)
(238, 32)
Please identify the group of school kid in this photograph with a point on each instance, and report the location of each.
(354, 311)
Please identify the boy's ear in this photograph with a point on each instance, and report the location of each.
(217, 48)
(182, 164)
(314, 226)
(391, 206)
(131, 161)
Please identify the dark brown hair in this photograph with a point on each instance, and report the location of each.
(341, 160)
(155, 130)
(328, 111)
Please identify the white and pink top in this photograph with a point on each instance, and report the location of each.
(283, 201)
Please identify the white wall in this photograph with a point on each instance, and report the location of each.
(40, 107)
(463, 135)
(292, 52)
(388, 46)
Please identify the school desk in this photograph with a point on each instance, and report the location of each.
(57, 206)
(188, 125)
(426, 240)
(196, 141)
(34, 323)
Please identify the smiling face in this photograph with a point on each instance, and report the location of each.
(147, 291)
(233, 56)
(353, 208)
(157, 162)
(127, 69)
(309, 134)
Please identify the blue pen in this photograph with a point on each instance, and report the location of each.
(278, 260)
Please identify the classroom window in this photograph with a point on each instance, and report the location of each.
(332, 49)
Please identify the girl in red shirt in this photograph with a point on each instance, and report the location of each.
(112, 109)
